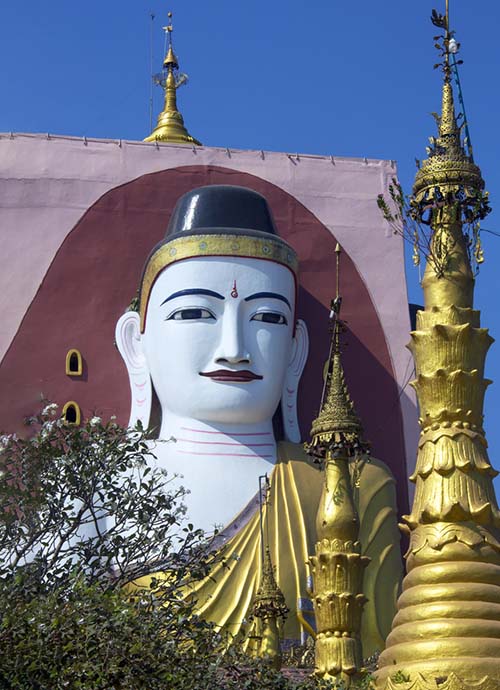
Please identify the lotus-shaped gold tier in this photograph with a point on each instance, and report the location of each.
(456, 396)
(450, 347)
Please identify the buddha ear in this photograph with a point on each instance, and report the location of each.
(298, 358)
(129, 342)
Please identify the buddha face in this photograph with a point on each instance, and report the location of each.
(219, 338)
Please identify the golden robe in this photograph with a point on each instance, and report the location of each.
(289, 521)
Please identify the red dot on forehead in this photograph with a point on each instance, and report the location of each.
(234, 291)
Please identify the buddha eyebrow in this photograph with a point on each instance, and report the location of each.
(273, 295)
(192, 291)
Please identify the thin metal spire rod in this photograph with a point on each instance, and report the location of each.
(447, 41)
(168, 33)
(262, 478)
(334, 320)
(462, 105)
(337, 253)
(151, 67)
(169, 29)
(457, 79)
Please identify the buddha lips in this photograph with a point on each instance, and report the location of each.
(224, 375)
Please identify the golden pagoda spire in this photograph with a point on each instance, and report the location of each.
(337, 567)
(337, 422)
(448, 621)
(269, 607)
(170, 126)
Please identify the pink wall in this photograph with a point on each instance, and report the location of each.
(46, 187)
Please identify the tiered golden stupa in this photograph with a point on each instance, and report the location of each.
(170, 127)
(447, 629)
(337, 567)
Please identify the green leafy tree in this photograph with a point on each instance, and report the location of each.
(83, 514)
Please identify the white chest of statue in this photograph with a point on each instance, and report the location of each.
(221, 471)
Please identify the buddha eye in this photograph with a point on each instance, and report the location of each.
(190, 315)
(270, 317)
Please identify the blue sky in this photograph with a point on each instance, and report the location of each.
(325, 77)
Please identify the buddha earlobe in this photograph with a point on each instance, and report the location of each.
(300, 350)
(128, 340)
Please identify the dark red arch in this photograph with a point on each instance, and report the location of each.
(95, 273)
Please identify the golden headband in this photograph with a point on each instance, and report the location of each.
(190, 246)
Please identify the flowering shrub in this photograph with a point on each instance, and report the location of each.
(88, 500)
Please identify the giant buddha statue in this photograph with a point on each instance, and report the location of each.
(217, 344)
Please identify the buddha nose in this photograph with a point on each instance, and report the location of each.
(231, 349)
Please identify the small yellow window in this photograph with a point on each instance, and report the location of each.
(71, 413)
(74, 363)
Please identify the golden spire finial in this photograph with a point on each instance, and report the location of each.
(269, 607)
(269, 600)
(337, 424)
(449, 172)
(170, 126)
(170, 61)
(448, 192)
